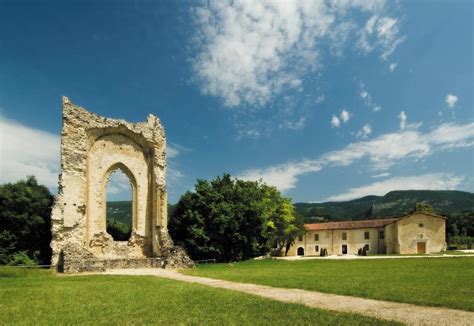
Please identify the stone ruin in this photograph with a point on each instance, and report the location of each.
(92, 147)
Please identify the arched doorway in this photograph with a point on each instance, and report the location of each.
(300, 251)
(119, 203)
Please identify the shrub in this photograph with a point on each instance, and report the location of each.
(21, 258)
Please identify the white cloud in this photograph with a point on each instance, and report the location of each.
(376, 109)
(171, 151)
(451, 100)
(381, 152)
(28, 151)
(392, 66)
(381, 175)
(118, 186)
(365, 131)
(403, 120)
(367, 99)
(335, 122)
(433, 181)
(248, 133)
(380, 33)
(250, 51)
(345, 116)
(283, 176)
(294, 125)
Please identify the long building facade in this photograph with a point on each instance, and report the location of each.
(410, 234)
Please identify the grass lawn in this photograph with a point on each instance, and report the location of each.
(43, 298)
(444, 282)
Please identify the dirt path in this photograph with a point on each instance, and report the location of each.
(402, 312)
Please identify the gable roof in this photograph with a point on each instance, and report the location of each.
(345, 225)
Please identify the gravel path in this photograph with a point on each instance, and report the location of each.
(406, 313)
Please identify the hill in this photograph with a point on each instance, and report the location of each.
(394, 203)
(457, 206)
(121, 211)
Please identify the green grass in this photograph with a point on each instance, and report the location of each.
(425, 281)
(40, 297)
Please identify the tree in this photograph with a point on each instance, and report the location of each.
(230, 219)
(118, 230)
(25, 220)
(424, 208)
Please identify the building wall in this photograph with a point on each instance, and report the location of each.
(401, 237)
(391, 238)
(332, 241)
(421, 228)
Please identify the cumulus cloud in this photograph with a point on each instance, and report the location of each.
(451, 100)
(381, 152)
(283, 176)
(345, 115)
(365, 131)
(249, 51)
(367, 99)
(335, 122)
(392, 66)
(403, 120)
(28, 151)
(433, 181)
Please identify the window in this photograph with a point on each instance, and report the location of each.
(366, 235)
(316, 237)
(367, 247)
(382, 234)
(344, 236)
(316, 248)
(300, 238)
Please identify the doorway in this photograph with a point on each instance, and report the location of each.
(421, 247)
(344, 249)
(300, 251)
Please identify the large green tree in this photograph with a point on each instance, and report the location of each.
(25, 220)
(230, 219)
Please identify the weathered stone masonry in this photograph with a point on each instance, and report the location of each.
(92, 147)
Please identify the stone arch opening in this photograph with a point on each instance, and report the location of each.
(300, 251)
(119, 205)
(123, 170)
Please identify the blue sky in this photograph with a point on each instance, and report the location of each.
(327, 100)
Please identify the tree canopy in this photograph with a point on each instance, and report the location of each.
(25, 221)
(230, 219)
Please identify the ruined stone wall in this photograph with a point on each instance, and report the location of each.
(92, 147)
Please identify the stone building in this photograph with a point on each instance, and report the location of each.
(92, 147)
(410, 234)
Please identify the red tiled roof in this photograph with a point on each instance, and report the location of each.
(350, 224)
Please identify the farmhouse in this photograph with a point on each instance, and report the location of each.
(413, 233)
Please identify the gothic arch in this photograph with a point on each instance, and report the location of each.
(92, 147)
(133, 183)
